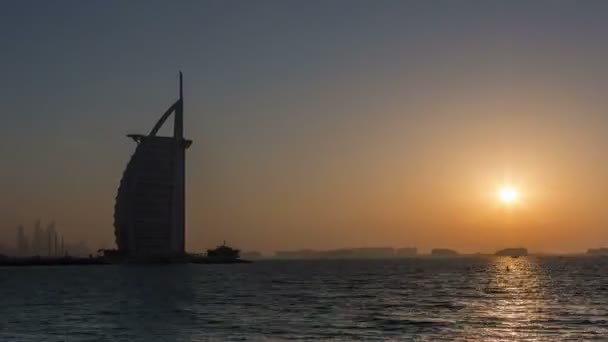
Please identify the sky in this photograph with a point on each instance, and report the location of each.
(315, 124)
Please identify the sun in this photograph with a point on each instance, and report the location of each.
(508, 194)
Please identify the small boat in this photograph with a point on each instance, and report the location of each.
(220, 255)
(223, 252)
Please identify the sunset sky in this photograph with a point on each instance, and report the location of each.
(316, 124)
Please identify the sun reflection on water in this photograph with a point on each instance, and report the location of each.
(518, 299)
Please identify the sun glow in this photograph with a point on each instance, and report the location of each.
(508, 194)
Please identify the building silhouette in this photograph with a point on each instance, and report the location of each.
(38, 243)
(51, 240)
(44, 242)
(22, 242)
(519, 251)
(149, 214)
(444, 252)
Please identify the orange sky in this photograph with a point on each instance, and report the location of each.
(377, 126)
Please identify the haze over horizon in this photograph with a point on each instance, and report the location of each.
(316, 124)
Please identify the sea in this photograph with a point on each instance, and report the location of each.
(415, 299)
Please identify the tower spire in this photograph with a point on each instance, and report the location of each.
(181, 86)
(178, 126)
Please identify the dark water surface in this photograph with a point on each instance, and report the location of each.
(411, 299)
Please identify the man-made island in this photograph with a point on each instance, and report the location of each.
(512, 252)
(597, 251)
(220, 255)
(444, 252)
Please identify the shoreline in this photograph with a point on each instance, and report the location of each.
(87, 261)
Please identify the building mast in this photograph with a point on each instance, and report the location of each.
(178, 127)
(179, 219)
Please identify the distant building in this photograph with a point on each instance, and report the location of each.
(22, 242)
(512, 252)
(44, 242)
(406, 252)
(51, 240)
(597, 251)
(149, 214)
(443, 252)
(38, 240)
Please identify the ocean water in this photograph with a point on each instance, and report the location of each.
(469, 298)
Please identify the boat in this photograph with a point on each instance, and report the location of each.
(223, 252)
(220, 255)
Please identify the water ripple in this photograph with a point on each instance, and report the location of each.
(412, 299)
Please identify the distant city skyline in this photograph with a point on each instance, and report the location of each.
(317, 124)
(43, 240)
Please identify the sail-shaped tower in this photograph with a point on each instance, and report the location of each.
(149, 214)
